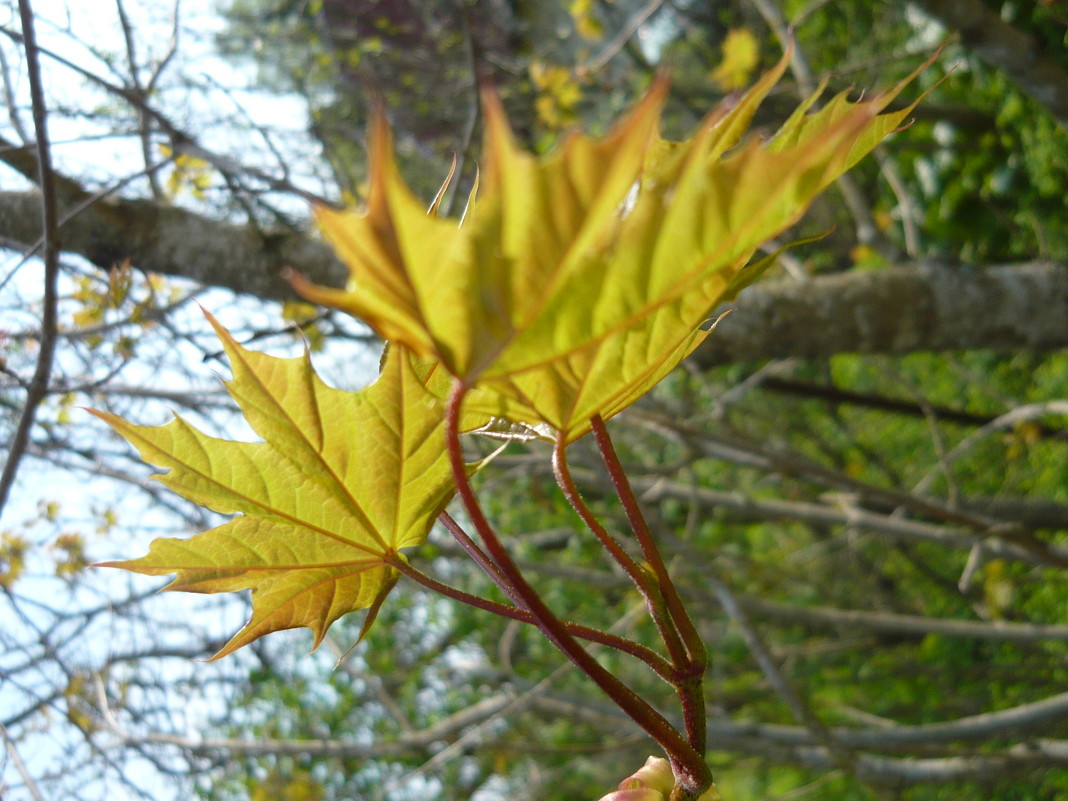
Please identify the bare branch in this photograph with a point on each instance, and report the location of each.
(854, 199)
(894, 528)
(20, 766)
(9, 99)
(917, 625)
(760, 652)
(38, 386)
(609, 51)
(182, 142)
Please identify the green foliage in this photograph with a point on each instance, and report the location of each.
(994, 194)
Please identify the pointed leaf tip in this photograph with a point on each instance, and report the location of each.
(581, 277)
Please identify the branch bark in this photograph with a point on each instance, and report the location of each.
(917, 307)
(928, 306)
(176, 242)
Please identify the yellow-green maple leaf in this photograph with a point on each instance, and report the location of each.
(578, 280)
(341, 483)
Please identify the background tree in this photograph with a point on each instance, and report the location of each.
(860, 476)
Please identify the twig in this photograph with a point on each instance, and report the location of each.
(20, 766)
(9, 99)
(909, 229)
(613, 47)
(38, 386)
(854, 199)
(1008, 420)
(169, 54)
(144, 133)
(789, 694)
(471, 122)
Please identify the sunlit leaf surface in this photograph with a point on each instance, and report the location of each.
(341, 483)
(578, 280)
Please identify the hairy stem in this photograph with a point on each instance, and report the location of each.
(480, 557)
(654, 599)
(690, 689)
(660, 665)
(688, 765)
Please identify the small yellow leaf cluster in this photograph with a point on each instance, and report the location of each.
(189, 174)
(291, 784)
(78, 698)
(999, 591)
(13, 551)
(741, 54)
(97, 299)
(70, 555)
(586, 23)
(559, 93)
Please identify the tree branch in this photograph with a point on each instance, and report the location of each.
(848, 515)
(890, 623)
(792, 742)
(928, 307)
(176, 242)
(932, 307)
(49, 222)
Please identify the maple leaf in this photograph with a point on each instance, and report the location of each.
(578, 280)
(341, 483)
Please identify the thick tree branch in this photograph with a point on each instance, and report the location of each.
(176, 242)
(920, 307)
(928, 306)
